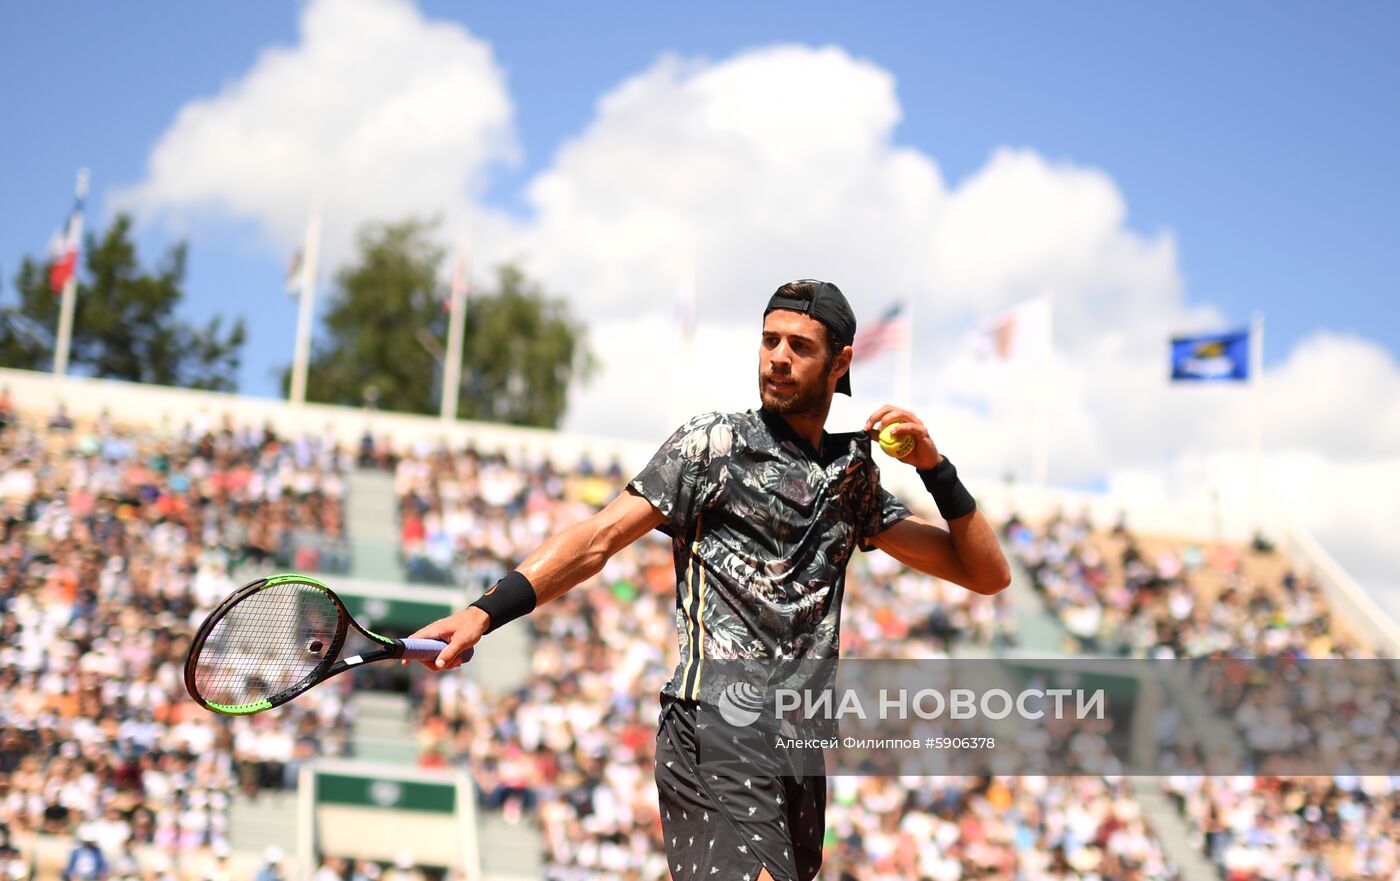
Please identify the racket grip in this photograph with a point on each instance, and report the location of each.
(422, 649)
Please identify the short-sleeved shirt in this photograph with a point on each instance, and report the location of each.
(762, 526)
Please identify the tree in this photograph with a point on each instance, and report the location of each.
(522, 352)
(124, 320)
(384, 328)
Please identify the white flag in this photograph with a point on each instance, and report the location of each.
(1020, 335)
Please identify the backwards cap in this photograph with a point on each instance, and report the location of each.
(828, 305)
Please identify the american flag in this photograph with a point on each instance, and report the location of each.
(889, 331)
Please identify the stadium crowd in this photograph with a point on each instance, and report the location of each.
(1115, 598)
(115, 542)
(1251, 636)
(1262, 828)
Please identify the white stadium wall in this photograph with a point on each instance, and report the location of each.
(127, 402)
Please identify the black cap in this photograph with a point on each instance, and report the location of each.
(828, 305)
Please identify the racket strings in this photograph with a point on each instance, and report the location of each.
(269, 643)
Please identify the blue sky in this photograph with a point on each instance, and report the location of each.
(1260, 134)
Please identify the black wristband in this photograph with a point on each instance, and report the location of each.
(949, 494)
(510, 598)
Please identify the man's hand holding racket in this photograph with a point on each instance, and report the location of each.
(461, 631)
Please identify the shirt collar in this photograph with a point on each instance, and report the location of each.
(834, 446)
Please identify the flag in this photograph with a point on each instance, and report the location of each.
(889, 331)
(1218, 357)
(63, 249)
(292, 282)
(1020, 334)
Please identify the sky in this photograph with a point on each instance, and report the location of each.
(1155, 169)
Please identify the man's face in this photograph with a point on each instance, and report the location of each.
(796, 373)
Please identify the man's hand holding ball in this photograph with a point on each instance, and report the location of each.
(902, 435)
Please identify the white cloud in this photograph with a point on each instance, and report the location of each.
(376, 111)
(1338, 396)
(774, 164)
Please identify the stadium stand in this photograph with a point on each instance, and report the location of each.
(1159, 597)
(1117, 593)
(116, 541)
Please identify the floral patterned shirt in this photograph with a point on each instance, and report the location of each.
(762, 527)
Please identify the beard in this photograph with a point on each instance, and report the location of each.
(800, 400)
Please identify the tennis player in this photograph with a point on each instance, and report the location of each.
(764, 509)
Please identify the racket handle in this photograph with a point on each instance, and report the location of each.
(422, 649)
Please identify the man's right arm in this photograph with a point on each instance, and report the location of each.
(566, 559)
(578, 553)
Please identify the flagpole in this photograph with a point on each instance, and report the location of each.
(70, 285)
(456, 326)
(1256, 418)
(902, 381)
(686, 288)
(1040, 410)
(306, 305)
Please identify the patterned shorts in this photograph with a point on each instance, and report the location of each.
(723, 823)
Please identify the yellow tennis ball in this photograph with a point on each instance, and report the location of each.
(898, 446)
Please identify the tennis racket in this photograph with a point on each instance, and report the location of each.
(277, 637)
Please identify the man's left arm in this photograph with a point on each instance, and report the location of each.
(966, 553)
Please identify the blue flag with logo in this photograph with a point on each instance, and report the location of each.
(1218, 357)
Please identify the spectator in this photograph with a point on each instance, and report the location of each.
(404, 869)
(271, 868)
(60, 420)
(85, 862)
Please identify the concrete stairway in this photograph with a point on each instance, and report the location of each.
(1180, 843)
(502, 660)
(381, 731)
(371, 523)
(509, 852)
(1037, 629)
(270, 820)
